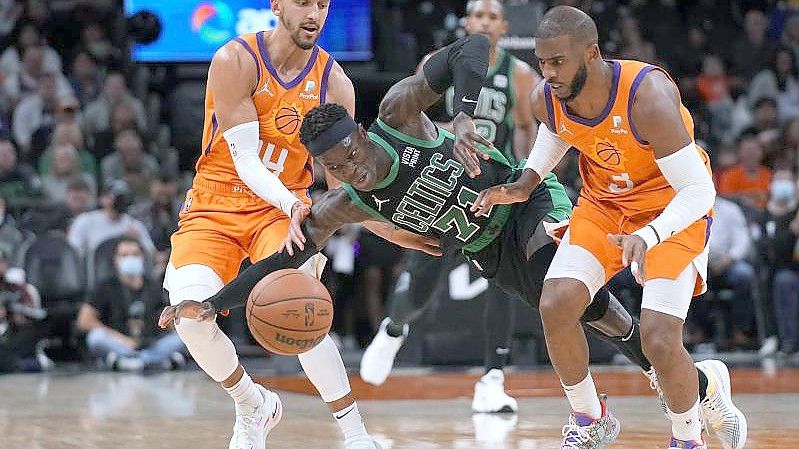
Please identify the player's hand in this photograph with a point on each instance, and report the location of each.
(416, 242)
(299, 212)
(633, 252)
(467, 144)
(187, 309)
(510, 193)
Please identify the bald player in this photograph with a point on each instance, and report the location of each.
(252, 179)
(646, 202)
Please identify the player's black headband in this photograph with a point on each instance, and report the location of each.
(331, 136)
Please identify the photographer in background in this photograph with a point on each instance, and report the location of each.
(19, 310)
(90, 229)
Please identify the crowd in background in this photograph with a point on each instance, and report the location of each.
(91, 185)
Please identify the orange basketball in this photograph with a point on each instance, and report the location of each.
(288, 119)
(289, 312)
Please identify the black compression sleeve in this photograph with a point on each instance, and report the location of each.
(236, 292)
(464, 64)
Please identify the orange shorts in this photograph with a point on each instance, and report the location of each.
(222, 223)
(590, 224)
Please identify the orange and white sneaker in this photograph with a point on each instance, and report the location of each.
(584, 432)
(253, 424)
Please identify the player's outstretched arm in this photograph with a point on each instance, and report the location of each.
(658, 119)
(232, 79)
(462, 64)
(333, 210)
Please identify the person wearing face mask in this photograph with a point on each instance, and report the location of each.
(90, 229)
(119, 317)
(782, 231)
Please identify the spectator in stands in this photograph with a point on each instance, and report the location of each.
(26, 81)
(779, 80)
(20, 308)
(633, 44)
(714, 86)
(90, 229)
(27, 36)
(689, 57)
(67, 133)
(730, 246)
(95, 41)
(120, 317)
(66, 166)
(97, 115)
(130, 163)
(10, 237)
(35, 117)
(753, 50)
(782, 229)
(159, 212)
(86, 78)
(764, 112)
(788, 154)
(10, 13)
(790, 35)
(18, 182)
(78, 199)
(123, 118)
(748, 181)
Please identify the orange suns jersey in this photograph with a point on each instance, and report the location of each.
(617, 166)
(281, 106)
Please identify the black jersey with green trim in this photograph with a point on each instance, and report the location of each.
(493, 117)
(428, 192)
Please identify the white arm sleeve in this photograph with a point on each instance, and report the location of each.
(687, 174)
(547, 151)
(244, 144)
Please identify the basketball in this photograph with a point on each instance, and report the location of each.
(608, 153)
(289, 312)
(288, 119)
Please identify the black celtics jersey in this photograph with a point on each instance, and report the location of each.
(493, 117)
(428, 192)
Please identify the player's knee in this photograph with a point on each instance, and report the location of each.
(561, 302)
(661, 339)
(191, 282)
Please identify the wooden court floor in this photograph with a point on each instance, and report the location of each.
(187, 410)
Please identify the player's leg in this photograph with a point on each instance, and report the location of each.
(573, 279)
(202, 261)
(499, 317)
(410, 299)
(664, 307)
(322, 364)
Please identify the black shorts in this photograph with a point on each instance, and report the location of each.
(519, 258)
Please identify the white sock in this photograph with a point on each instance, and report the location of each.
(350, 422)
(687, 426)
(583, 397)
(244, 393)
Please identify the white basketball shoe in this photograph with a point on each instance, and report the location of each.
(378, 359)
(490, 396)
(253, 424)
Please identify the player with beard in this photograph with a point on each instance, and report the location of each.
(252, 178)
(646, 202)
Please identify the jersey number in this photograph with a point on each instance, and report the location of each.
(621, 183)
(276, 167)
(456, 216)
